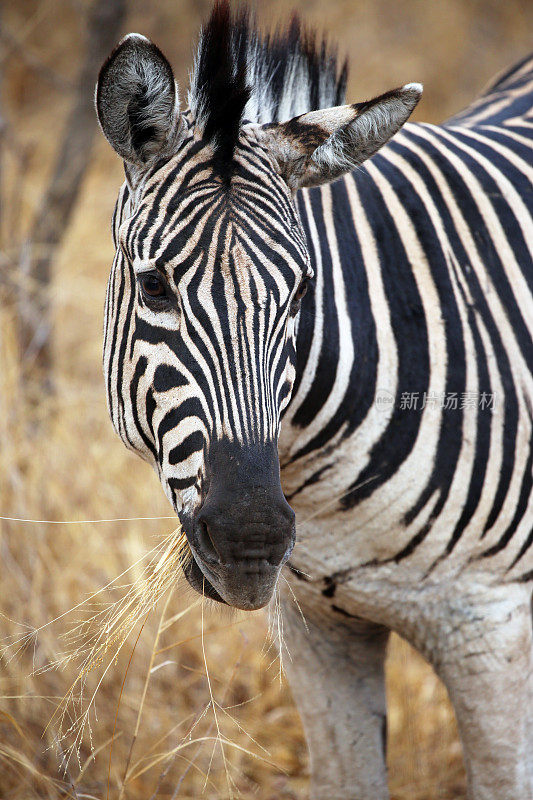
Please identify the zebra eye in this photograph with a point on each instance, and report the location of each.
(152, 285)
(300, 292)
(302, 289)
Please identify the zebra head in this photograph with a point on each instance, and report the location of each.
(210, 270)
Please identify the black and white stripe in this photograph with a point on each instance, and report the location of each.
(417, 519)
(422, 284)
(423, 262)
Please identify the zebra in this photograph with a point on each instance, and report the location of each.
(372, 436)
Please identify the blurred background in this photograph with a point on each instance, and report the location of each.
(60, 460)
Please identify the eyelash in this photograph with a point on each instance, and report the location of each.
(300, 293)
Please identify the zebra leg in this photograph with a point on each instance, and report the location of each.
(336, 673)
(485, 657)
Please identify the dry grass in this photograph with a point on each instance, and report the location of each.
(189, 700)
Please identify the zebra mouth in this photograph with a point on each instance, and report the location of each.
(247, 585)
(200, 582)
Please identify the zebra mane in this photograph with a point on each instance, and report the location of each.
(240, 74)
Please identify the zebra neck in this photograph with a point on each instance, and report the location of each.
(347, 354)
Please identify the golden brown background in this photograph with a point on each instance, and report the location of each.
(59, 459)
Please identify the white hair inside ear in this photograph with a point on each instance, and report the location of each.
(321, 146)
(137, 102)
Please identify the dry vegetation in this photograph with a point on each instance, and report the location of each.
(192, 703)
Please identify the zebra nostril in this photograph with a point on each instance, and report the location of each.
(205, 542)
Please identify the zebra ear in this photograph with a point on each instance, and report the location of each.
(321, 146)
(137, 102)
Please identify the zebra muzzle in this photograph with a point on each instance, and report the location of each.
(244, 531)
